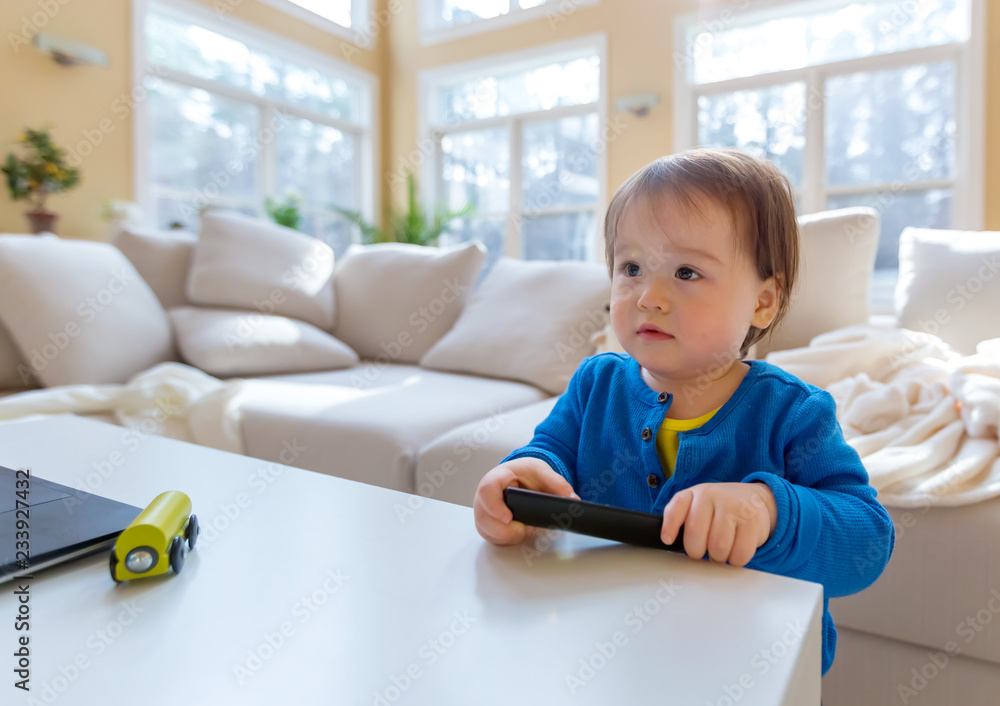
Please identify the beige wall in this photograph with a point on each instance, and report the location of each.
(640, 38)
(35, 91)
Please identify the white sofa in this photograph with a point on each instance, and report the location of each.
(362, 385)
(432, 423)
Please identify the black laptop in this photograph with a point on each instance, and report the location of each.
(62, 523)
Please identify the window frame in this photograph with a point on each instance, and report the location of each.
(431, 132)
(968, 187)
(432, 33)
(366, 131)
(361, 11)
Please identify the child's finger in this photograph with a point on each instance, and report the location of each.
(721, 536)
(499, 532)
(744, 545)
(491, 494)
(548, 481)
(698, 524)
(674, 515)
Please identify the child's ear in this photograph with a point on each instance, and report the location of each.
(767, 303)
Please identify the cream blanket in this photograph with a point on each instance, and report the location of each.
(923, 418)
(170, 399)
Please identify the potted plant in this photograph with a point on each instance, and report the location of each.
(285, 212)
(42, 172)
(410, 226)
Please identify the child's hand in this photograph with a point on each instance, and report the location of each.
(729, 520)
(494, 520)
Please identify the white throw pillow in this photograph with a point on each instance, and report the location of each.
(836, 259)
(224, 342)
(396, 300)
(250, 263)
(530, 321)
(162, 257)
(79, 312)
(949, 285)
(12, 365)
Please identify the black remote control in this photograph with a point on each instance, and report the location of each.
(604, 521)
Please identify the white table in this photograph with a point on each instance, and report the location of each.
(310, 589)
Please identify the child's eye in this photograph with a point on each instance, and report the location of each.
(630, 269)
(686, 273)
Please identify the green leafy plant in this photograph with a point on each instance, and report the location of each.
(410, 226)
(42, 172)
(285, 212)
(127, 211)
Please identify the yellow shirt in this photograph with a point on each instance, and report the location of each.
(667, 441)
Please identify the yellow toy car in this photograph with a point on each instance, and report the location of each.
(157, 540)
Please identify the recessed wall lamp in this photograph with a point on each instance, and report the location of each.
(69, 53)
(638, 104)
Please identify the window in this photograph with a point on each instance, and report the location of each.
(863, 103)
(519, 138)
(235, 116)
(344, 18)
(442, 20)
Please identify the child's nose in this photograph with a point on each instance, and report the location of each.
(655, 296)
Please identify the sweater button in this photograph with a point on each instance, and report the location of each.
(647, 434)
(652, 480)
(662, 397)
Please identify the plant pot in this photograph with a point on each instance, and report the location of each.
(42, 221)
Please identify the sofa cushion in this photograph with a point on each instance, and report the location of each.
(250, 263)
(162, 258)
(875, 670)
(79, 312)
(367, 423)
(450, 467)
(943, 572)
(396, 300)
(836, 259)
(530, 321)
(224, 342)
(949, 285)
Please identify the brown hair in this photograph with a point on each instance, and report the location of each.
(759, 200)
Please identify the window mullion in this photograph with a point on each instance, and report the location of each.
(692, 127)
(891, 187)
(814, 191)
(437, 193)
(514, 247)
(542, 115)
(217, 88)
(864, 64)
(267, 155)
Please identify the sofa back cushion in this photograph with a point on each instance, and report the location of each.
(162, 258)
(79, 312)
(396, 300)
(249, 263)
(836, 260)
(531, 321)
(949, 285)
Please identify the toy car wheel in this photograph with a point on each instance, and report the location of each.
(177, 554)
(114, 565)
(192, 531)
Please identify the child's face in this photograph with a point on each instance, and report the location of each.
(683, 295)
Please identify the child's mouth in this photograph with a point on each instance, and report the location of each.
(648, 333)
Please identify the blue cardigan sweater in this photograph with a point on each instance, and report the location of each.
(774, 429)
